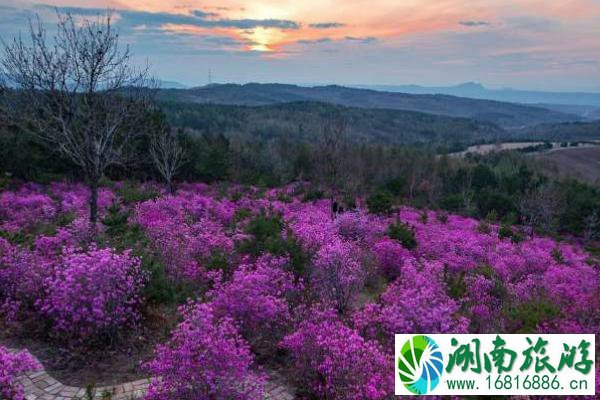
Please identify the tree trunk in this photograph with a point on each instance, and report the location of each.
(93, 204)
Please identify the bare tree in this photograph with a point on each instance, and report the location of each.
(592, 226)
(77, 92)
(540, 207)
(330, 154)
(167, 154)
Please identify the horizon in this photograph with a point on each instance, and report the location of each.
(377, 86)
(518, 44)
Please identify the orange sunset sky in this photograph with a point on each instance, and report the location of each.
(547, 45)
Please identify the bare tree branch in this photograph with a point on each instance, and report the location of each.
(167, 154)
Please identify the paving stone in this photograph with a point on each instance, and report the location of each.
(40, 385)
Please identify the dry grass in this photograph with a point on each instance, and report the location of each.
(581, 163)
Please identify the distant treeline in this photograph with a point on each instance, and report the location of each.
(302, 121)
(563, 132)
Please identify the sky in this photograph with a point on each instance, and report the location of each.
(551, 45)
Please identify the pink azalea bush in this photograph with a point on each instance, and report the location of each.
(391, 257)
(459, 278)
(93, 294)
(22, 276)
(338, 274)
(206, 358)
(257, 299)
(415, 302)
(23, 210)
(185, 232)
(516, 273)
(332, 361)
(11, 366)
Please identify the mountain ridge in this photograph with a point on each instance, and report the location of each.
(478, 91)
(505, 114)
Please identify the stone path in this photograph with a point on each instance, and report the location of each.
(41, 386)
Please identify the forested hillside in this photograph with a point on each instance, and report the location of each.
(567, 131)
(500, 113)
(302, 121)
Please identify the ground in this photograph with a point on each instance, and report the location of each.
(580, 163)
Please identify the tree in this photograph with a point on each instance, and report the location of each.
(330, 153)
(539, 208)
(167, 152)
(77, 93)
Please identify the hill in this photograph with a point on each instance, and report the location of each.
(568, 131)
(579, 163)
(478, 91)
(253, 94)
(302, 121)
(590, 113)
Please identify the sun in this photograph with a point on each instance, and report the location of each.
(263, 39)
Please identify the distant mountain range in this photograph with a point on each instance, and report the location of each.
(582, 103)
(171, 85)
(505, 114)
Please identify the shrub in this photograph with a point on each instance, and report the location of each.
(184, 232)
(416, 302)
(313, 195)
(332, 361)
(356, 226)
(557, 255)
(489, 200)
(452, 202)
(456, 287)
(93, 295)
(266, 235)
(395, 186)
(206, 358)
(22, 275)
(256, 298)
(403, 234)
(24, 210)
(391, 257)
(380, 203)
(442, 217)
(115, 220)
(485, 297)
(484, 227)
(132, 193)
(505, 231)
(11, 366)
(527, 317)
(337, 276)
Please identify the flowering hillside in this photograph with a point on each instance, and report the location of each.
(263, 279)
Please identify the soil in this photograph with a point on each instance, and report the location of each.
(110, 365)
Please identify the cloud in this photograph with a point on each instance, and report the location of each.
(327, 25)
(204, 14)
(471, 24)
(197, 18)
(366, 39)
(316, 41)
